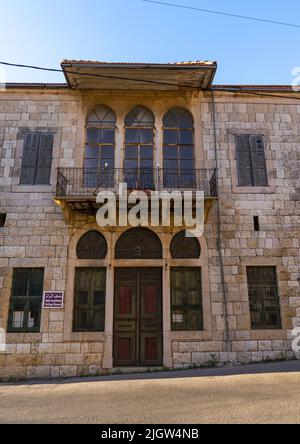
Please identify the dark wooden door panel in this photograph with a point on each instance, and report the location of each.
(138, 317)
(151, 349)
(124, 346)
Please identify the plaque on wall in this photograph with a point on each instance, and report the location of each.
(53, 299)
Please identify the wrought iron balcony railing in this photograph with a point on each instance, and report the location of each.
(87, 182)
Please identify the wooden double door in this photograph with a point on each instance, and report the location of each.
(138, 321)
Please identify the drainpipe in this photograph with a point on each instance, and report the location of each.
(219, 231)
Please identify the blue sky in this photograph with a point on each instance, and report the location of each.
(44, 32)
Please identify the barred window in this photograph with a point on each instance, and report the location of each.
(26, 300)
(89, 303)
(186, 299)
(92, 245)
(263, 298)
(183, 247)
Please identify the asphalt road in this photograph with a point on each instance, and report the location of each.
(253, 394)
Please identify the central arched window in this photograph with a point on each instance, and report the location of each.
(138, 243)
(100, 147)
(138, 156)
(178, 149)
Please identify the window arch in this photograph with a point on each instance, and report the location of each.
(178, 149)
(138, 156)
(92, 245)
(183, 247)
(100, 146)
(138, 243)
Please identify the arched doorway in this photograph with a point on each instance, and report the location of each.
(138, 301)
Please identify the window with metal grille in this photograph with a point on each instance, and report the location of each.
(92, 245)
(263, 298)
(89, 301)
(138, 157)
(186, 299)
(138, 243)
(26, 300)
(37, 159)
(100, 148)
(178, 149)
(184, 247)
(251, 162)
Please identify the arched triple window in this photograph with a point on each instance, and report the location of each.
(178, 149)
(92, 245)
(183, 247)
(138, 243)
(100, 147)
(138, 156)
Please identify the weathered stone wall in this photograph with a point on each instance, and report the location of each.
(37, 235)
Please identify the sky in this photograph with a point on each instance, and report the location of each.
(40, 32)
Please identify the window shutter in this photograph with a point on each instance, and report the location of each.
(30, 153)
(258, 161)
(37, 159)
(243, 159)
(44, 160)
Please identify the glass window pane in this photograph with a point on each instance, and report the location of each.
(82, 297)
(18, 315)
(146, 163)
(92, 136)
(107, 152)
(98, 297)
(131, 152)
(186, 137)
(146, 136)
(81, 320)
(91, 163)
(170, 137)
(186, 152)
(171, 164)
(132, 163)
(33, 319)
(170, 152)
(36, 282)
(146, 152)
(92, 152)
(96, 319)
(107, 136)
(21, 282)
(132, 135)
(187, 164)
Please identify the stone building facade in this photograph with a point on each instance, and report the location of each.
(249, 227)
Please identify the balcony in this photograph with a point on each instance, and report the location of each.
(78, 187)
